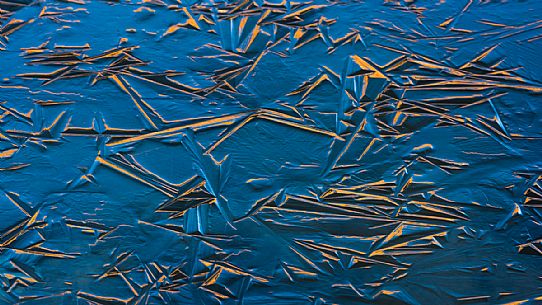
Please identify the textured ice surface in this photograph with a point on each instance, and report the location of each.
(271, 152)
